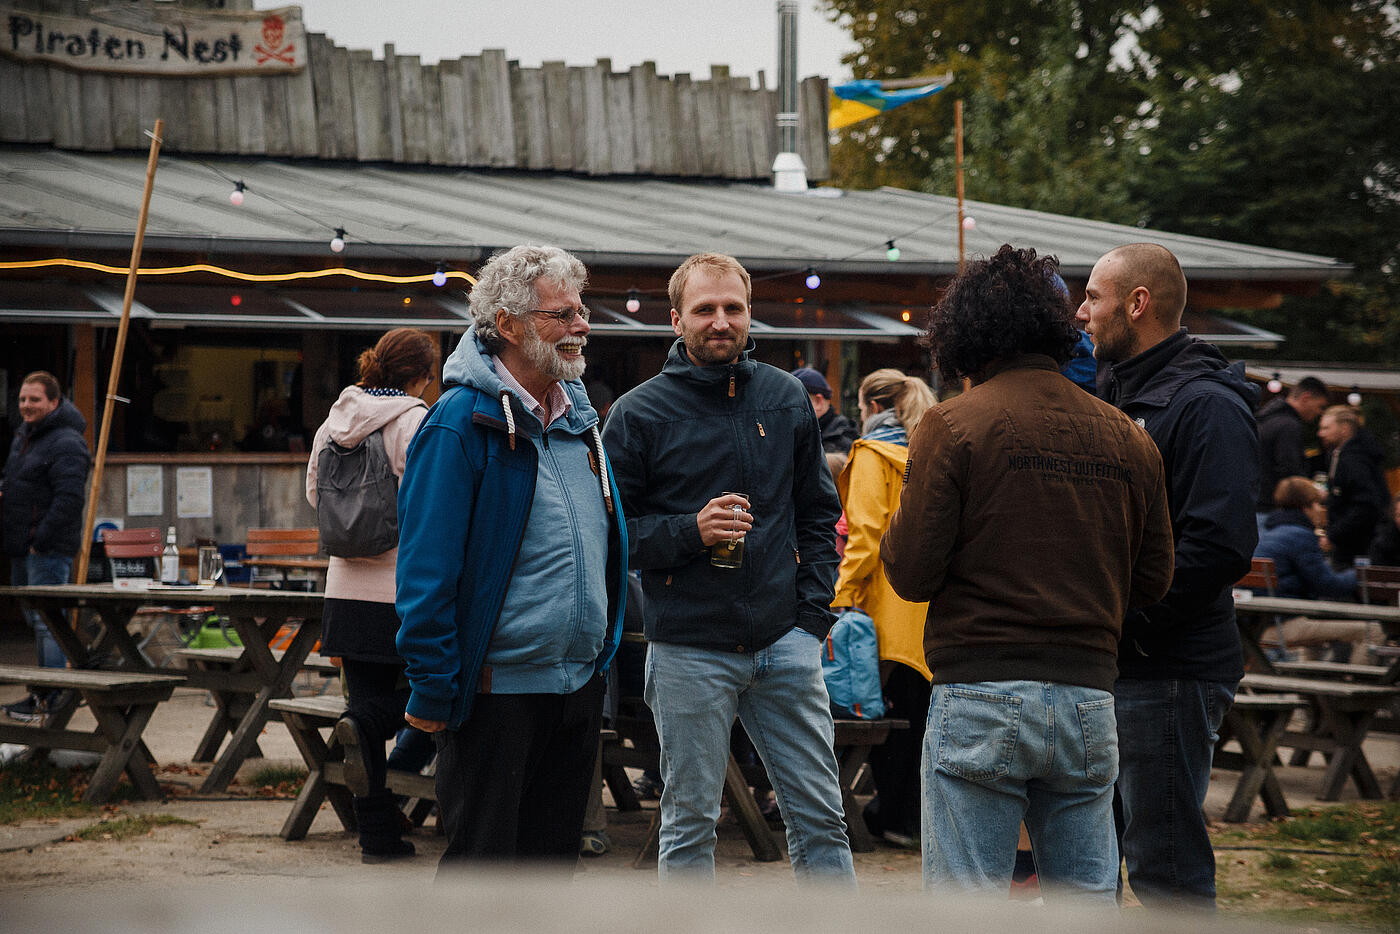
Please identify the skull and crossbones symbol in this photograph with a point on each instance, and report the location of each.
(273, 32)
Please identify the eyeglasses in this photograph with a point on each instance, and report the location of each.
(565, 316)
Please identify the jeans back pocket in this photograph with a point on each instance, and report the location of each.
(1099, 725)
(977, 733)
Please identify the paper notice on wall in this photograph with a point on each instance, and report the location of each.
(194, 492)
(145, 490)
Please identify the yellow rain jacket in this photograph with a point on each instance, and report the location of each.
(870, 487)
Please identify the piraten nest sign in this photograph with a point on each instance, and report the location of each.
(159, 42)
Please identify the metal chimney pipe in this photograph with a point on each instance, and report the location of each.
(789, 174)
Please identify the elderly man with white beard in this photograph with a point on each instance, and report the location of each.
(512, 569)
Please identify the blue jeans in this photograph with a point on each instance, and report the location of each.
(1168, 731)
(780, 697)
(997, 753)
(38, 569)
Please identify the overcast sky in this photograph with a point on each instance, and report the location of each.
(679, 37)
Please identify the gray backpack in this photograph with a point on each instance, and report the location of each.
(357, 499)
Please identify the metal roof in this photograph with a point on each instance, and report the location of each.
(66, 200)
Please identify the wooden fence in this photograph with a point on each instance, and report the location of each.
(477, 111)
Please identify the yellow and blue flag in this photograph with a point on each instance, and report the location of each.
(859, 100)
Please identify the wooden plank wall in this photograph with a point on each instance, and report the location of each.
(475, 111)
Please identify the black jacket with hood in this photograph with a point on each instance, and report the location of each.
(1198, 408)
(45, 484)
(1357, 495)
(1281, 432)
(684, 437)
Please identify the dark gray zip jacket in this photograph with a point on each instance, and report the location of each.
(45, 484)
(1198, 409)
(684, 437)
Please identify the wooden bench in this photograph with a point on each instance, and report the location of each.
(1257, 722)
(121, 703)
(232, 684)
(305, 718)
(1343, 713)
(1338, 671)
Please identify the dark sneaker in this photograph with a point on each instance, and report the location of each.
(25, 711)
(347, 731)
(61, 701)
(387, 852)
(647, 788)
(594, 843)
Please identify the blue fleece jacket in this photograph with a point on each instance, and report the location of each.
(478, 612)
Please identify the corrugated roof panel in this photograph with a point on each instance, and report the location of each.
(61, 197)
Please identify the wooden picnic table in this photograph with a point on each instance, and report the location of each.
(1255, 614)
(257, 615)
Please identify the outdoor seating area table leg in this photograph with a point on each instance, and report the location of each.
(278, 677)
(850, 760)
(315, 752)
(750, 818)
(1348, 728)
(1258, 735)
(127, 752)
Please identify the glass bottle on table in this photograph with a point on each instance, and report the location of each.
(170, 559)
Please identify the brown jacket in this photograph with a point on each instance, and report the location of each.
(1033, 517)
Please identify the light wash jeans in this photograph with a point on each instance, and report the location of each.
(38, 569)
(1000, 752)
(1169, 730)
(780, 697)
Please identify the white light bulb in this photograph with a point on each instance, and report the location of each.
(1353, 398)
(891, 251)
(813, 280)
(634, 305)
(969, 223)
(1275, 386)
(235, 197)
(338, 241)
(440, 278)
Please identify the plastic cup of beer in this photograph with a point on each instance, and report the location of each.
(729, 552)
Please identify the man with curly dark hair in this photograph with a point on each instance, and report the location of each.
(1033, 517)
(1180, 660)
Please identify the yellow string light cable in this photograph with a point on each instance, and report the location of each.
(235, 274)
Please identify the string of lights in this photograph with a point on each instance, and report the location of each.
(444, 273)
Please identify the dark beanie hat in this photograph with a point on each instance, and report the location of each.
(816, 383)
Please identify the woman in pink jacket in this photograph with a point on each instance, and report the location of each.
(360, 622)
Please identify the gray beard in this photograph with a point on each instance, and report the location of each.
(544, 358)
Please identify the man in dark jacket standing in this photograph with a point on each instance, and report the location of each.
(1281, 428)
(1356, 490)
(1179, 661)
(43, 494)
(715, 449)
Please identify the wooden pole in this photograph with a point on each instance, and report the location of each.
(958, 163)
(100, 457)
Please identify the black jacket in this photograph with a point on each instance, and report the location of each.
(1356, 495)
(1385, 547)
(689, 434)
(838, 432)
(1198, 409)
(1281, 433)
(45, 484)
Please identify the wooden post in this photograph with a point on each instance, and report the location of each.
(100, 457)
(958, 163)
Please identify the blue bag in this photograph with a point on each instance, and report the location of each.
(851, 667)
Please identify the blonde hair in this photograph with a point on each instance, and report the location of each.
(1344, 414)
(717, 264)
(909, 396)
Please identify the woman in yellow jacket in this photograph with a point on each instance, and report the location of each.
(891, 405)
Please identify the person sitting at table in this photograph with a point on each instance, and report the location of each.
(360, 624)
(1385, 547)
(1291, 539)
